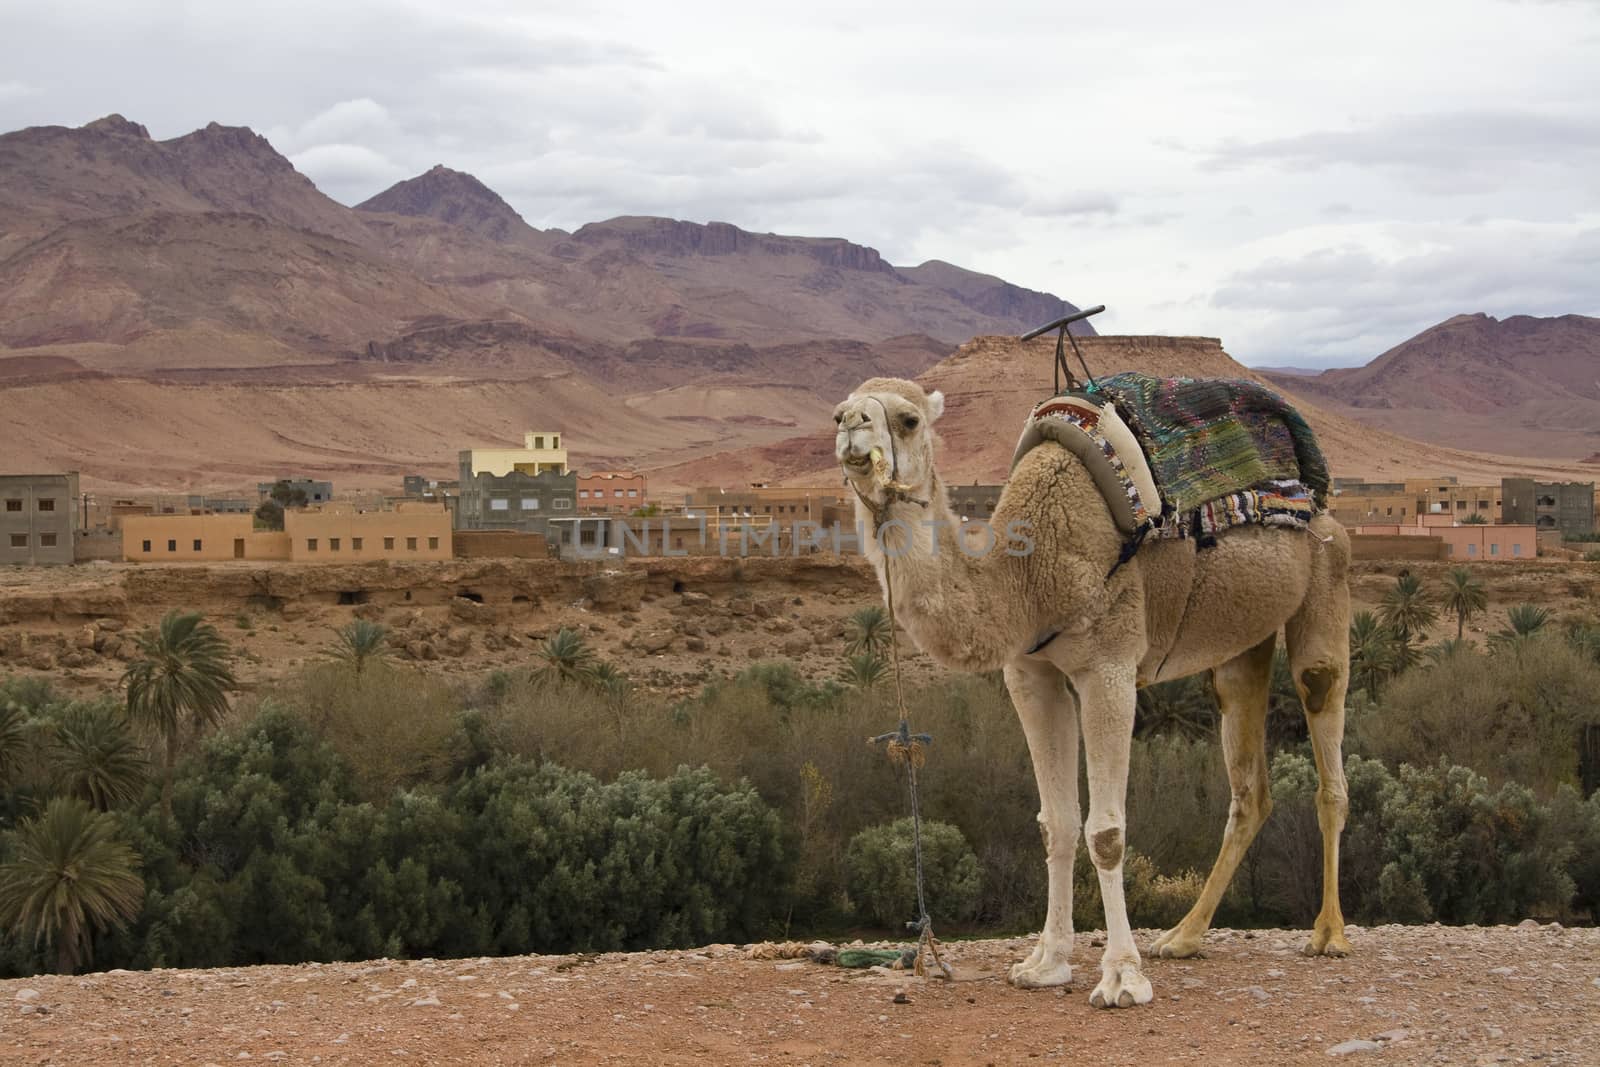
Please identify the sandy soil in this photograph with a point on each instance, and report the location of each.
(1409, 995)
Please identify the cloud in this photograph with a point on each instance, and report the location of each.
(1068, 205)
(347, 170)
(1451, 151)
(1349, 302)
(15, 90)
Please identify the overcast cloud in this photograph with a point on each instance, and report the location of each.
(1311, 185)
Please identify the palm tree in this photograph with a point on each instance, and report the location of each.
(97, 759)
(1464, 597)
(864, 671)
(870, 631)
(1408, 613)
(70, 877)
(1586, 639)
(610, 681)
(1522, 622)
(564, 658)
(13, 739)
(180, 678)
(359, 642)
(1372, 652)
(1446, 650)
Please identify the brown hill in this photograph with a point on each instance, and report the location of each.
(991, 383)
(1521, 385)
(455, 198)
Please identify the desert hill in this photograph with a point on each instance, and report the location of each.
(1522, 385)
(209, 316)
(991, 383)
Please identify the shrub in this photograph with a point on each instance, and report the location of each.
(392, 724)
(882, 871)
(1155, 901)
(1461, 854)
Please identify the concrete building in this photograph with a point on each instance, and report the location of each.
(611, 491)
(541, 453)
(788, 504)
(38, 518)
(1355, 502)
(1565, 506)
(515, 501)
(317, 492)
(1466, 542)
(221, 505)
(319, 535)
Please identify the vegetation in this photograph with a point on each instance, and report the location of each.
(870, 632)
(180, 680)
(383, 811)
(70, 875)
(360, 642)
(1407, 611)
(1464, 596)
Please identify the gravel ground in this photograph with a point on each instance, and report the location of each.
(1409, 995)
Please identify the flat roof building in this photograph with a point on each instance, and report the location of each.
(541, 453)
(38, 518)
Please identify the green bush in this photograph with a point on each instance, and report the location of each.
(882, 871)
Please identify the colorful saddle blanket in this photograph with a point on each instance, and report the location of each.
(1181, 457)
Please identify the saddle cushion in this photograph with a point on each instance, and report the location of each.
(1090, 428)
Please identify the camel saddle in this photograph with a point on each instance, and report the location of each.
(1186, 457)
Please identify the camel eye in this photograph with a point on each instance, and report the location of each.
(838, 418)
(909, 422)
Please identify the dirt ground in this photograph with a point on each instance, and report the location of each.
(1408, 995)
(671, 624)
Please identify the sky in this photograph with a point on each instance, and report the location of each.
(1311, 183)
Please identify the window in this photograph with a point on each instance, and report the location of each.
(633, 492)
(411, 544)
(1494, 550)
(388, 544)
(1388, 511)
(172, 545)
(47, 504)
(616, 492)
(433, 542)
(333, 544)
(561, 503)
(583, 494)
(530, 503)
(21, 541)
(499, 504)
(47, 540)
(13, 505)
(197, 544)
(355, 544)
(1472, 550)
(1516, 550)
(311, 544)
(538, 442)
(146, 546)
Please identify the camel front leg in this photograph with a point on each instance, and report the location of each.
(1050, 723)
(1106, 698)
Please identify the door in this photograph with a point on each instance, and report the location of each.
(238, 548)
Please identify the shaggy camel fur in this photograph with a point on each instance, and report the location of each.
(1170, 611)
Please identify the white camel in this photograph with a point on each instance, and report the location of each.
(1168, 612)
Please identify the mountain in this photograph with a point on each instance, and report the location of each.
(1521, 385)
(454, 198)
(991, 383)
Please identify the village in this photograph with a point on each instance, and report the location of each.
(530, 503)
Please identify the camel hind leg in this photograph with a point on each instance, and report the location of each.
(1318, 638)
(1243, 685)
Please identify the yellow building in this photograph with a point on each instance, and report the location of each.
(541, 452)
(329, 535)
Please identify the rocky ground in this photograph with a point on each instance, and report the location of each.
(670, 624)
(1408, 995)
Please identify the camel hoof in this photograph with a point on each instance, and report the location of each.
(1327, 944)
(1040, 974)
(1122, 986)
(1176, 945)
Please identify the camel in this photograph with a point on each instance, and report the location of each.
(1169, 611)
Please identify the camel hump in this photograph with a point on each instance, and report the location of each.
(1090, 429)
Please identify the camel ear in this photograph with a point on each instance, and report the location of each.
(935, 405)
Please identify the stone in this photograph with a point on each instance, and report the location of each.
(78, 658)
(26, 996)
(654, 641)
(429, 1001)
(42, 660)
(1344, 1048)
(84, 638)
(1394, 1035)
(797, 646)
(695, 644)
(695, 599)
(109, 626)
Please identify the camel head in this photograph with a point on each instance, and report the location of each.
(887, 419)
